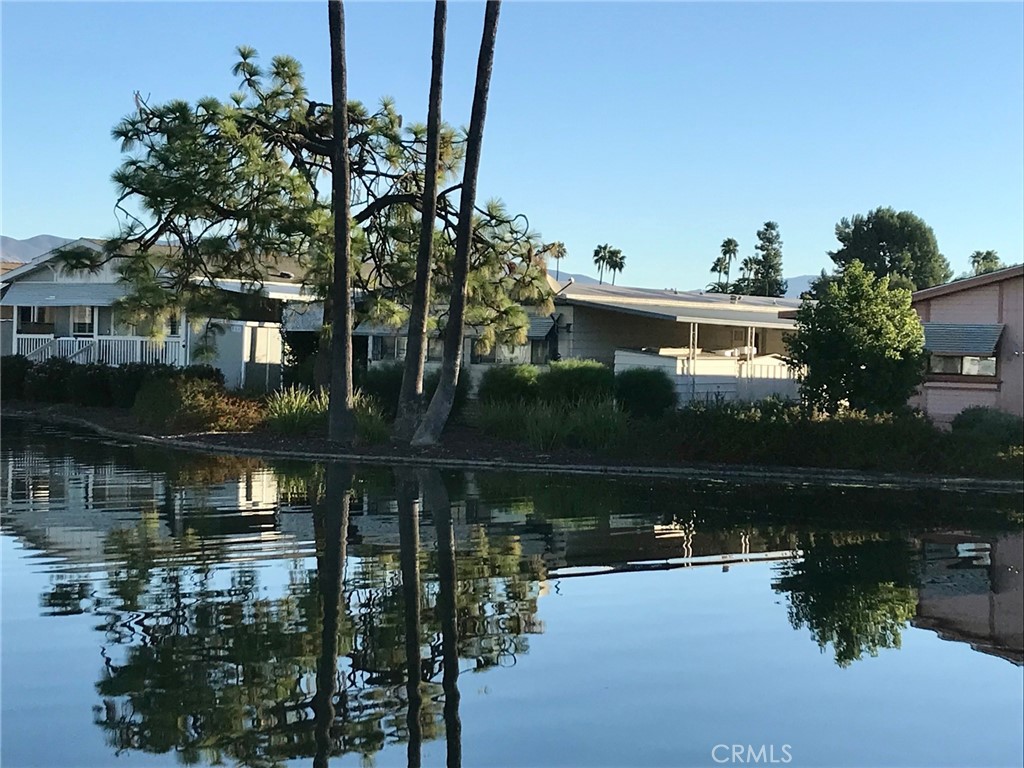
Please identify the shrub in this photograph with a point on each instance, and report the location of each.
(180, 404)
(508, 384)
(90, 384)
(297, 410)
(596, 425)
(383, 383)
(572, 381)
(49, 381)
(13, 371)
(371, 426)
(990, 425)
(645, 392)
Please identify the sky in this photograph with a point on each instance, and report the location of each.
(660, 128)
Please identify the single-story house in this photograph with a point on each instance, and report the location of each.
(714, 345)
(75, 315)
(974, 333)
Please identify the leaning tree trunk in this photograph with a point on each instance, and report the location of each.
(341, 418)
(440, 407)
(410, 399)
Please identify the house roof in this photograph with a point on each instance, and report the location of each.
(960, 339)
(68, 295)
(969, 282)
(280, 272)
(683, 306)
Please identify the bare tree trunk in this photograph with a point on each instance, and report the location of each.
(410, 400)
(341, 418)
(407, 493)
(440, 407)
(331, 553)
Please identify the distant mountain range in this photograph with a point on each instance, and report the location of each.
(26, 250)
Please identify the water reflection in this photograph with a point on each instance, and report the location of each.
(256, 614)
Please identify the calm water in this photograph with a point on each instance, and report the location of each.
(162, 608)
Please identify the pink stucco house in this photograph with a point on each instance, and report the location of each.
(974, 332)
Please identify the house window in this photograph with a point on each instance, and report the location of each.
(540, 350)
(388, 347)
(435, 348)
(491, 356)
(174, 325)
(81, 321)
(30, 315)
(962, 366)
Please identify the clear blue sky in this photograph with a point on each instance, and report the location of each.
(660, 128)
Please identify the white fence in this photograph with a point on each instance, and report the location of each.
(112, 350)
(716, 378)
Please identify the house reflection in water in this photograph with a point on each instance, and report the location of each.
(972, 591)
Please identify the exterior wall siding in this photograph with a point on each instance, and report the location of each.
(1001, 302)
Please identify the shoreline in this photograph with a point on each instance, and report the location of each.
(222, 443)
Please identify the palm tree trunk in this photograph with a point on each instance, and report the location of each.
(333, 518)
(429, 431)
(437, 502)
(341, 418)
(407, 493)
(410, 399)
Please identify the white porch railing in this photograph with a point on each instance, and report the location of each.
(112, 350)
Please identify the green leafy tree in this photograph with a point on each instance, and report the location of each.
(890, 243)
(767, 278)
(239, 189)
(860, 345)
(983, 262)
(719, 267)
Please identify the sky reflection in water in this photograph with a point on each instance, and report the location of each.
(168, 608)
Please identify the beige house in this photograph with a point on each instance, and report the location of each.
(974, 332)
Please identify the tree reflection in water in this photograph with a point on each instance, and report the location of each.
(856, 595)
(199, 660)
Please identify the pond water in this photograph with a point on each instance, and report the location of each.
(164, 608)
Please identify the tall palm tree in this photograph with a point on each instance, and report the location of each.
(747, 269)
(429, 430)
(730, 249)
(616, 262)
(410, 400)
(557, 252)
(341, 414)
(601, 260)
(719, 267)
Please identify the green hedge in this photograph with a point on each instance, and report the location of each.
(13, 370)
(645, 392)
(57, 380)
(573, 381)
(990, 425)
(508, 384)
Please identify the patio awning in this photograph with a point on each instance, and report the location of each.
(63, 294)
(540, 327)
(961, 339)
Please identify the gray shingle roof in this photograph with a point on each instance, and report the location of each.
(25, 294)
(961, 339)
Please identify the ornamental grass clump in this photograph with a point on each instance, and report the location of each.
(296, 410)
